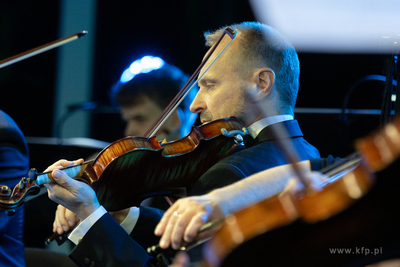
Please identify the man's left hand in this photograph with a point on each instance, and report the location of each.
(76, 196)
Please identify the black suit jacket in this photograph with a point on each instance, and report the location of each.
(261, 153)
(14, 164)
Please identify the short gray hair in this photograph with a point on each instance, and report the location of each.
(263, 46)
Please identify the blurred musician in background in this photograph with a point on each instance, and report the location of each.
(144, 90)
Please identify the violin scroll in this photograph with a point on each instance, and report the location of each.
(12, 199)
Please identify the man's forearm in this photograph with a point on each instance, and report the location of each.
(255, 188)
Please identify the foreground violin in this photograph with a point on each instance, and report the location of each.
(161, 168)
(134, 168)
(350, 222)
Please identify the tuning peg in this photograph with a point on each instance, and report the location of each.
(5, 192)
(33, 174)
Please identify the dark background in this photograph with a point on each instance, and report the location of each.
(172, 30)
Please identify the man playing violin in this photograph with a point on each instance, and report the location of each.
(259, 69)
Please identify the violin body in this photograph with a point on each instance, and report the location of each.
(365, 232)
(136, 168)
(283, 210)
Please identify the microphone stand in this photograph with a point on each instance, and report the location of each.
(392, 73)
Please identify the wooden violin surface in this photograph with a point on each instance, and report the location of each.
(145, 171)
(315, 228)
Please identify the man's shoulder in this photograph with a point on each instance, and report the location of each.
(264, 155)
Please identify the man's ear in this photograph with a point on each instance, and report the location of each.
(265, 80)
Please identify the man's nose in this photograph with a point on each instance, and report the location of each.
(198, 105)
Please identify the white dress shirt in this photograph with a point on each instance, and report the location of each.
(128, 224)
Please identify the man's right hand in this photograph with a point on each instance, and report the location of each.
(182, 221)
(64, 220)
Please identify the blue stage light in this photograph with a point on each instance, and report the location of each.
(157, 62)
(126, 76)
(143, 65)
(135, 67)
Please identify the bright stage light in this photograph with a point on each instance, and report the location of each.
(338, 26)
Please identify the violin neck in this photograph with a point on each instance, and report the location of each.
(74, 171)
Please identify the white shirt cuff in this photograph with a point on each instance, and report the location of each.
(131, 219)
(86, 224)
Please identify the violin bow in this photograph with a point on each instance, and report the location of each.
(40, 49)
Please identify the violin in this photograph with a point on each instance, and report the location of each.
(351, 221)
(174, 164)
(134, 168)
